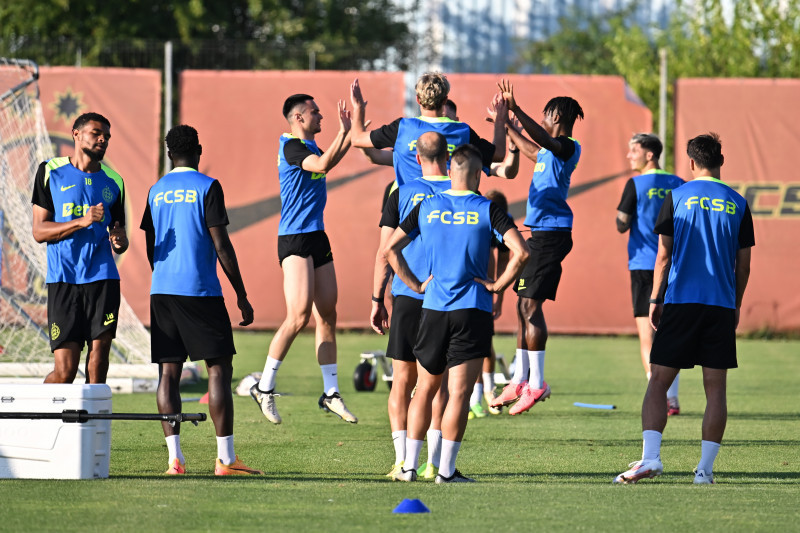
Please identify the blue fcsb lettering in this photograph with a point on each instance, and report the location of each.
(448, 217)
(716, 204)
(188, 196)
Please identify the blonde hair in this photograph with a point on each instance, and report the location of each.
(432, 90)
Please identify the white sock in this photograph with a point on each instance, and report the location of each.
(271, 367)
(225, 450)
(652, 444)
(521, 366)
(434, 437)
(174, 448)
(330, 382)
(449, 453)
(399, 441)
(536, 381)
(708, 452)
(488, 381)
(413, 448)
(672, 392)
(477, 393)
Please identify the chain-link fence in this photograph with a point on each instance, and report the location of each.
(228, 54)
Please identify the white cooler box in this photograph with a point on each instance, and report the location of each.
(52, 449)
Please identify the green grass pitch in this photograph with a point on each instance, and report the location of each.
(548, 469)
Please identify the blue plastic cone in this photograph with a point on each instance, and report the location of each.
(411, 506)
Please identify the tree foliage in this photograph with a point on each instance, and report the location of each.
(759, 38)
(336, 30)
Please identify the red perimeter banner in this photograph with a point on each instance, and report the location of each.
(759, 124)
(238, 117)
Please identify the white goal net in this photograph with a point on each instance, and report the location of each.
(24, 143)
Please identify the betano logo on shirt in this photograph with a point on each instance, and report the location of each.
(176, 196)
(413, 146)
(70, 209)
(716, 204)
(448, 217)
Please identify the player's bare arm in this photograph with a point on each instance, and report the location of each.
(45, 229)
(118, 237)
(623, 221)
(500, 108)
(509, 168)
(663, 261)
(227, 260)
(392, 252)
(341, 143)
(519, 253)
(379, 316)
(360, 136)
(742, 274)
(538, 134)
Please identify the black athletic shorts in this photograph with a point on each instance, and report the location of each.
(641, 289)
(197, 326)
(695, 334)
(314, 244)
(81, 313)
(450, 338)
(403, 328)
(540, 277)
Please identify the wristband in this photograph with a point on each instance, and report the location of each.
(656, 301)
(514, 151)
(377, 300)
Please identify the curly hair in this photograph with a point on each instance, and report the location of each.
(182, 141)
(432, 89)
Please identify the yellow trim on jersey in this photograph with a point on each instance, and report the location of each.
(53, 164)
(111, 173)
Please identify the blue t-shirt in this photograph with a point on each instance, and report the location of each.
(456, 229)
(642, 199)
(303, 193)
(547, 198)
(709, 223)
(181, 206)
(402, 135)
(398, 206)
(85, 256)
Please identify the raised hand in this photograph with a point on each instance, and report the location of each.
(344, 116)
(507, 90)
(356, 98)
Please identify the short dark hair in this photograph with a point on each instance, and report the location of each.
(466, 157)
(432, 146)
(567, 108)
(451, 104)
(294, 100)
(498, 198)
(182, 141)
(89, 117)
(706, 150)
(649, 143)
